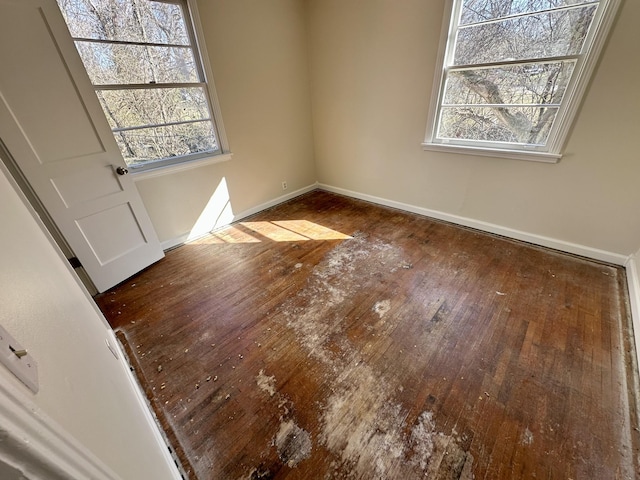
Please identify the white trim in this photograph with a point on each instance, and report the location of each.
(274, 202)
(199, 50)
(179, 167)
(30, 439)
(201, 46)
(175, 242)
(602, 26)
(35, 443)
(438, 85)
(571, 103)
(548, 242)
(149, 415)
(533, 156)
(633, 282)
(184, 238)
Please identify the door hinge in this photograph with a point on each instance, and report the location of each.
(75, 263)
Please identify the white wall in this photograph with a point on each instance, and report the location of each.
(83, 388)
(372, 68)
(371, 71)
(7, 472)
(258, 53)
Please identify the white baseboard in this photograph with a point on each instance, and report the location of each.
(576, 249)
(186, 237)
(274, 202)
(147, 409)
(174, 242)
(633, 281)
(631, 263)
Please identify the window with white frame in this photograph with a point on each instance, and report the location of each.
(513, 72)
(143, 61)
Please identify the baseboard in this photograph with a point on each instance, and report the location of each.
(32, 442)
(576, 249)
(632, 263)
(274, 202)
(147, 410)
(174, 242)
(633, 281)
(573, 248)
(186, 237)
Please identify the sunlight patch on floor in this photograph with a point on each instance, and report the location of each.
(276, 231)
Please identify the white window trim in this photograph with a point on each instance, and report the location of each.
(208, 74)
(150, 170)
(161, 170)
(574, 95)
(223, 152)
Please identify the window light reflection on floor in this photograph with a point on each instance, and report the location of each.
(276, 231)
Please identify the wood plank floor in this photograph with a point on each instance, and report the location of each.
(331, 338)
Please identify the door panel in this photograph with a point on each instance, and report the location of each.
(53, 126)
(66, 131)
(96, 229)
(77, 187)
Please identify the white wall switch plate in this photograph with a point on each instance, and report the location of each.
(18, 360)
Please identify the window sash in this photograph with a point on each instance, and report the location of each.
(530, 13)
(156, 125)
(201, 83)
(128, 42)
(527, 61)
(585, 61)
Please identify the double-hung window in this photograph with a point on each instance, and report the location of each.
(142, 59)
(512, 74)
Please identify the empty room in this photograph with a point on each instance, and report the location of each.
(369, 239)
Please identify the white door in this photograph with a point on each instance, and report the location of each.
(53, 126)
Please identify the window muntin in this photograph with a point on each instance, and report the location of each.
(142, 59)
(476, 11)
(192, 106)
(151, 64)
(510, 72)
(527, 36)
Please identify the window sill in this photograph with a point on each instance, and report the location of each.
(180, 167)
(532, 156)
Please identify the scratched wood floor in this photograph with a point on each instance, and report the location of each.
(331, 338)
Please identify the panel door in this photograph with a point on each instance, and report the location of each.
(54, 128)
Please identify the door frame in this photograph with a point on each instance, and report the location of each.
(37, 445)
(40, 449)
(31, 197)
(107, 227)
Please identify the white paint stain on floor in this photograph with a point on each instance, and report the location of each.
(361, 424)
(316, 312)
(527, 437)
(293, 443)
(266, 384)
(382, 307)
(367, 431)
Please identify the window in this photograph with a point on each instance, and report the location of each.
(512, 74)
(143, 61)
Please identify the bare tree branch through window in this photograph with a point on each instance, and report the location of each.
(508, 67)
(140, 56)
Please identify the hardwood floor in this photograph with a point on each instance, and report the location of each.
(331, 338)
